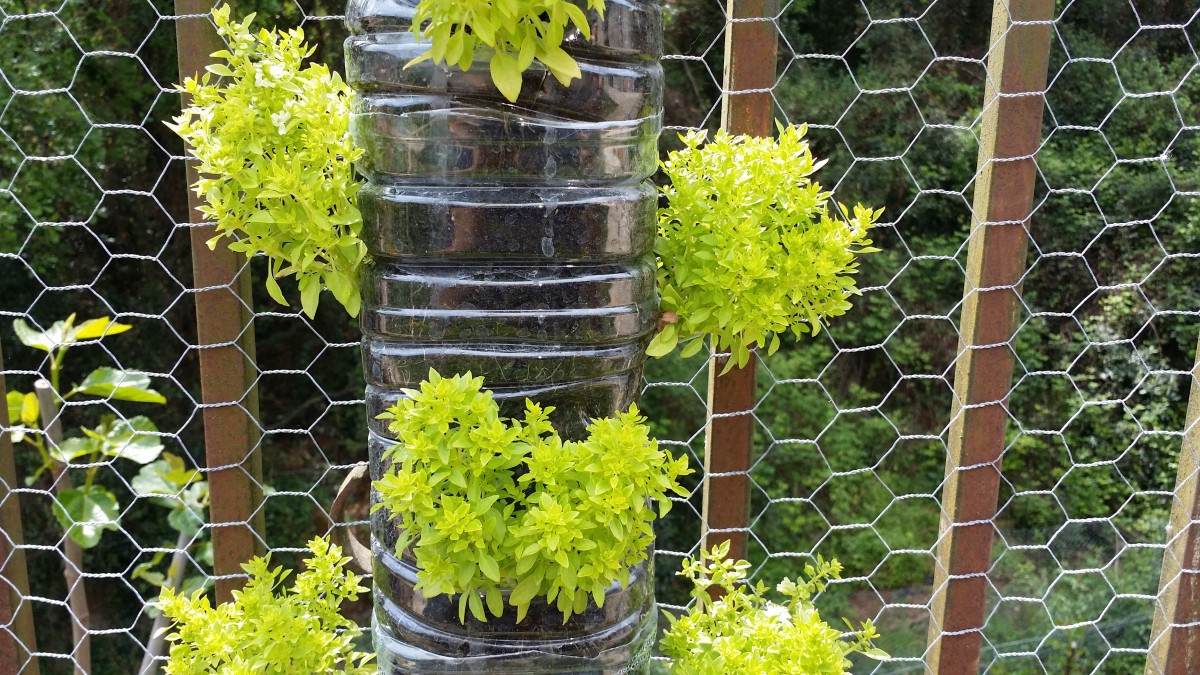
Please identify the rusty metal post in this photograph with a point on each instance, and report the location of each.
(751, 47)
(996, 261)
(225, 338)
(18, 640)
(1175, 635)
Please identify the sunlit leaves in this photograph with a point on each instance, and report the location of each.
(86, 512)
(120, 385)
(65, 333)
(511, 33)
(276, 160)
(749, 246)
(744, 633)
(488, 503)
(298, 630)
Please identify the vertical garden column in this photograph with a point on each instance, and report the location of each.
(513, 241)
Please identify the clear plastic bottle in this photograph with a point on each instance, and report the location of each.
(514, 241)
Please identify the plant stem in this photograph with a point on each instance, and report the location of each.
(154, 646)
(73, 565)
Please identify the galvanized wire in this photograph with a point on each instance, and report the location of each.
(850, 427)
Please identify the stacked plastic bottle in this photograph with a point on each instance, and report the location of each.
(512, 241)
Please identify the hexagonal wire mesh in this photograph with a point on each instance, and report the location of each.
(851, 430)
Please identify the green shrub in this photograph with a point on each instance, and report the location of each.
(747, 246)
(515, 32)
(260, 632)
(744, 633)
(488, 503)
(276, 160)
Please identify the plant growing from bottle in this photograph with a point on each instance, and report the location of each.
(261, 631)
(87, 511)
(742, 632)
(486, 504)
(512, 35)
(276, 160)
(750, 247)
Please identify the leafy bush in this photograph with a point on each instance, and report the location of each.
(743, 633)
(747, 247)
(488, 503)
(86, 511)
(276, 160)
(517, 32)
(299, 631)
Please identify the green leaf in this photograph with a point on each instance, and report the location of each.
(30, 410)
(74, 448)
(663, 343)
(310, 296)
(167, 476)
(185, 520)
(275, 291)
(120, 385)
(94, 329)
(57, 335)
(561, 64)
(85, 513)
(135, 439)
(15, 401)
(522, 595)
(506, 75)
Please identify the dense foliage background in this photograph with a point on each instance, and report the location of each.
(851, 445)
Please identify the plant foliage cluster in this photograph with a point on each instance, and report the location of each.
(488, 504)
(297, 630)
(748, 247)
(276, 160)
(744, 633)
(515, 32)
(87, 511)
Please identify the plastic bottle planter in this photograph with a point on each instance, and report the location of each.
(513, 241)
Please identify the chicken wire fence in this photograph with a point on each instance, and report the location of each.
(858, 435)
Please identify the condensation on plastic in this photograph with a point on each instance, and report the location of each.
(513, 241)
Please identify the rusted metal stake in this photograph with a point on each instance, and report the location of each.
(18, 640)
(996, 261)
(225, 337)
(751, 48)
(1175, 634)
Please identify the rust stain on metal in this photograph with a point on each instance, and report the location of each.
(1175, 634)
(19, 639)
(1014, 102)
(225, 337)
(751, 49)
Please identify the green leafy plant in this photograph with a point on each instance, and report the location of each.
(748, 247)
(515, 32)
(488, 503)
(744, 633)
(85, 511)
(261, 632)
(276, 160)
